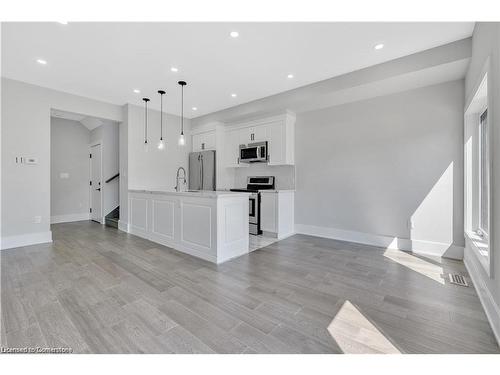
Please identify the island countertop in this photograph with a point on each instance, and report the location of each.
(212, 225)
(190, 193)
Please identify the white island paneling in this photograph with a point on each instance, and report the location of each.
(209, 225)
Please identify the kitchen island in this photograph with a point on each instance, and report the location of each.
(211, 225)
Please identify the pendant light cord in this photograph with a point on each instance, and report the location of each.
(146, 100)
(182, 110)
(161, 117)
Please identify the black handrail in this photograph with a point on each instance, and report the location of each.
(112, 178)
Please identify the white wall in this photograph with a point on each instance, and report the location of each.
(486, 45)
(123, 153)
(69, 155)
(155, 168)
(140, 169)
(108, 135)
(26, 132)
(371, 166)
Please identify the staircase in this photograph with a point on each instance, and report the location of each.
(111, 219)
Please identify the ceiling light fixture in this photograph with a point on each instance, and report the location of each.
(161, 144)
(63, 22)
(234, 95)
(290, 76)
(182, 140)
(234, 34)
(195, 109)
(174, 69)
(41, 61)
(379, 46)
(146, 100)
(137, 91)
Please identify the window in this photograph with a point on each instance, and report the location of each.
(484, 204)
(477, 165)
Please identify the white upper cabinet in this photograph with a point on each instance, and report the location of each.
(278, 131)
(253, 134)
(204, 141)
(277, 143)
(232, 148)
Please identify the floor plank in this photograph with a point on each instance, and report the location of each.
(99, 290)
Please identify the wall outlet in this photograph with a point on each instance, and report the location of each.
(37, 219)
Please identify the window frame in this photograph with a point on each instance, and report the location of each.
(477, 245)
(483, 168)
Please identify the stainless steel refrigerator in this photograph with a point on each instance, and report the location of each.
(202, 170)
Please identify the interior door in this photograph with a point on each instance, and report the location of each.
(95, 183)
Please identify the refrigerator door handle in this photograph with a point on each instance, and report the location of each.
(201, 170)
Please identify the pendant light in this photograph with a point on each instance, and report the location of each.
(146, 145)
(182, 139)
(161, 144)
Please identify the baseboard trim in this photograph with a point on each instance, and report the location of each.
(487, 301)
(26, 240)
(56, 219)
(405, 244)
(123, 226)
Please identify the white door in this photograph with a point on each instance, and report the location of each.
(95, 183)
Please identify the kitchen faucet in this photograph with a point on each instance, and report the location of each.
(177, 187)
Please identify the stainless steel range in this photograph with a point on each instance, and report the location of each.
(254, 184)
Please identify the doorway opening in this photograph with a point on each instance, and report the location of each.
(84, 169)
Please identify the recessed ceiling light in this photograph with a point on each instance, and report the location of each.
(379, 46)
(290, 76)
(233, 95)
(174, 69)
(41, 61)
(195, 109)
(234, 34)
(137, 91)
(63, 22)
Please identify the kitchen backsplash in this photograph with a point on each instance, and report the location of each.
(285, 175)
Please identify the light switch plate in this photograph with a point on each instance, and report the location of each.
(63, 175)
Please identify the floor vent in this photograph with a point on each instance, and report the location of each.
(458, 279)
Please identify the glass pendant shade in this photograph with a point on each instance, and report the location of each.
(182, 140)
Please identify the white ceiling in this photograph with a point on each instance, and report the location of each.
(106, 61)
(89, 122)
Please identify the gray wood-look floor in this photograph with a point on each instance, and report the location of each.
(99, 290)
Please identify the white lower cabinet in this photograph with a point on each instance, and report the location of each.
(277, 213)
(211, 227)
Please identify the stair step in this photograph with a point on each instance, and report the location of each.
(111, 222)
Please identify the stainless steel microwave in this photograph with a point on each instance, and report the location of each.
(254, 153)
